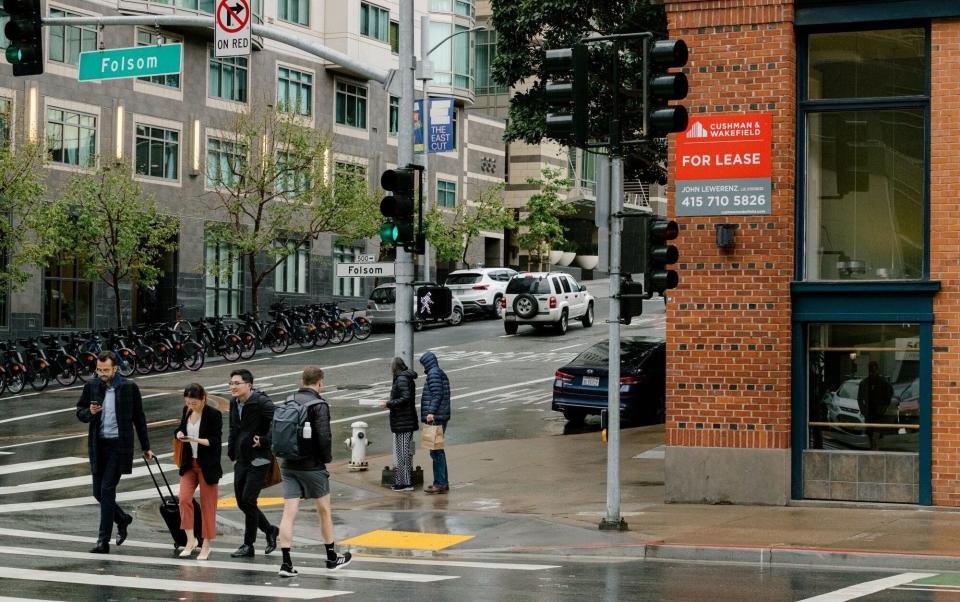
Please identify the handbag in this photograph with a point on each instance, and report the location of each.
(273, 475)
(177, 451)
(431, 437)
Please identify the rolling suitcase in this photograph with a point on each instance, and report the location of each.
(170, 510)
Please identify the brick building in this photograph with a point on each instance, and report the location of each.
(817, 358)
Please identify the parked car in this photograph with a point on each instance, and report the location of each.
(480, 289)
(580, 387)
(381, 305)
(545, 298)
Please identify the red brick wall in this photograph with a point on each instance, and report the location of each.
(944, 254)
(728, 323)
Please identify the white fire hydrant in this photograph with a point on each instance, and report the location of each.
(358, 443)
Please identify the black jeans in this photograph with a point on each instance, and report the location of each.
(105, 480)
(247, 483)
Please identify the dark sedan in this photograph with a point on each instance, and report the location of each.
(580, 387)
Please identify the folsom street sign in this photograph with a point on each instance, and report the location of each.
(723, 165)
(361, 270)
(138, 61)
(233, 28)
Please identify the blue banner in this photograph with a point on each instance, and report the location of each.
(441, 126)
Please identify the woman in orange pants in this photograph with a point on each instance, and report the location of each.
(201, 431)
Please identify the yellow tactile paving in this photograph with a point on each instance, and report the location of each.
(407, 540)
(230, 502)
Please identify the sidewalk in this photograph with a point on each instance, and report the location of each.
(546, 496)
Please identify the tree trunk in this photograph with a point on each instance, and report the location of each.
(254, 285)
(116, 301)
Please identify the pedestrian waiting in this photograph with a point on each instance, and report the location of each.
(201, 431)
(302, 440)
(403, 422)
(435, 411)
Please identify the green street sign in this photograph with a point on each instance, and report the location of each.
(139, 61)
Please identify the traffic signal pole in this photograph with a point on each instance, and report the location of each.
(403, 265)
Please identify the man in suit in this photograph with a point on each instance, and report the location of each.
(251, 413)
(113, 408)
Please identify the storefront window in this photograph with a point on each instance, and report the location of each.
(865, 64)
(864, 387)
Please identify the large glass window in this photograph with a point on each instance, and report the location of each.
(394, 127)
(351, 105)
(291, 275)
(446, 194)
(394, 37)
(486, 51)
(223, 285)
(71, 137)
(152, 38)
(374, 22)
(158, 152)
(67, 295)
(864, 386)
(295, 91)
(346, 287)
(865, 183)
(228, 78)
(66, 42)
(294, 11)
(224, 160)
(588, 171)
(451, 60)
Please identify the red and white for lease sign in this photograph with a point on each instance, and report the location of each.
(723, 165)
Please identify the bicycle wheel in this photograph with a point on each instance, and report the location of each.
(161, 358)
(231, 348)
(183, 327)
(306, 338)
(363, 330)
(348, 331)
(278, 340)
(3, 383)
(87, 366)
(128, 362)
(193, 356)
(15, 382)
(337, 334)
(322, 338)
(38, 377)
(66, 371)
(145, 359)
(248, 345)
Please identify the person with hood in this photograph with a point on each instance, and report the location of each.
(403, 422)
(435, 410)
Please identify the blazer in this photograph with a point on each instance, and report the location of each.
(255, 420)
(208, 456)
(130, 417)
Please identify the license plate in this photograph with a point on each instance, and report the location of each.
(591, 381)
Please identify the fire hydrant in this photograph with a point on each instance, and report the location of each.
(358, 443)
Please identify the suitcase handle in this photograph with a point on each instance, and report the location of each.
(160, 470)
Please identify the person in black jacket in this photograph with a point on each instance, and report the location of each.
(307, 478)
(403, 421)
(113, 408)
(201, 431)
(251, 412)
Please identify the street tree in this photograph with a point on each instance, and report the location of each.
(540, 227)
(451, 235)
(525, 30)
(274, 184)
(21, 191)
(104, 220)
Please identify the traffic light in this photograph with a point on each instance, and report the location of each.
(663, 119)
(631, 300)
(25, 33)
(657, 277)
(566, 95)
(397, 207)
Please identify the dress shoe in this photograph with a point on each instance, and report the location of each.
(102, 548)
(122, 529)
(272, 539)
(244, 551)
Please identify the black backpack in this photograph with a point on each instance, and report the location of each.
(286, 430)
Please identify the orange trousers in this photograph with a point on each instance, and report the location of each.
(208, 502)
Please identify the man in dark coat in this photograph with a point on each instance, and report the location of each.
(113, 408)
(251, 413)
(435, 410)
(874, 397)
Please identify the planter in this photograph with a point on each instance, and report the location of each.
(588, 262)
(567, 259)
(555, 257)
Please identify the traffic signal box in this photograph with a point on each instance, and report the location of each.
(657, 277)
(433, 303)
(661, 118)
(566, 93)
(25, 33)
(397, 207)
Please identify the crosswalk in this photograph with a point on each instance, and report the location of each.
(56, 559)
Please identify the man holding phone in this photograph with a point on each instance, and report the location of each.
(113, 408)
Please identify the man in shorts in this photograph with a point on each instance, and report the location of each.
(307, 478)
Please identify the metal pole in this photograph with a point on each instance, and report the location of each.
(403, 341)
(613, 520)
(425, 119)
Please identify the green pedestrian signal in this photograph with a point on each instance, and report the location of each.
(25, 34)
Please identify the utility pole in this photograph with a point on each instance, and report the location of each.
(426, 74)
(403, 341)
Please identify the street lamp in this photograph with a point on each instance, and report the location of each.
(425, 75)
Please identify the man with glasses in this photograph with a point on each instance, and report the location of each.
(113, 408)
(251, 413)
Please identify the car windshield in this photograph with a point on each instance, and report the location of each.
(384, 295)
(538, 286)
(463, 279)
(598, 356)
(849, 389)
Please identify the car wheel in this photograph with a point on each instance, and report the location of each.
(510, 327)
(456, 318)
(587, 319)
(526, 306)
(562, 323)
(497, 310)
(574, 416)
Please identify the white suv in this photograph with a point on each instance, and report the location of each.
(480, 290)
(541, 298)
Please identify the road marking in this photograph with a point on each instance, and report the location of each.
(511, 386)
(868, 587)
(567, 347)
(167, 585)
(407, 540)
(70, 409)
(41, 464)
(71, 481)
(335, 347)
(440, 347)
(656, 453)
(507, 336)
